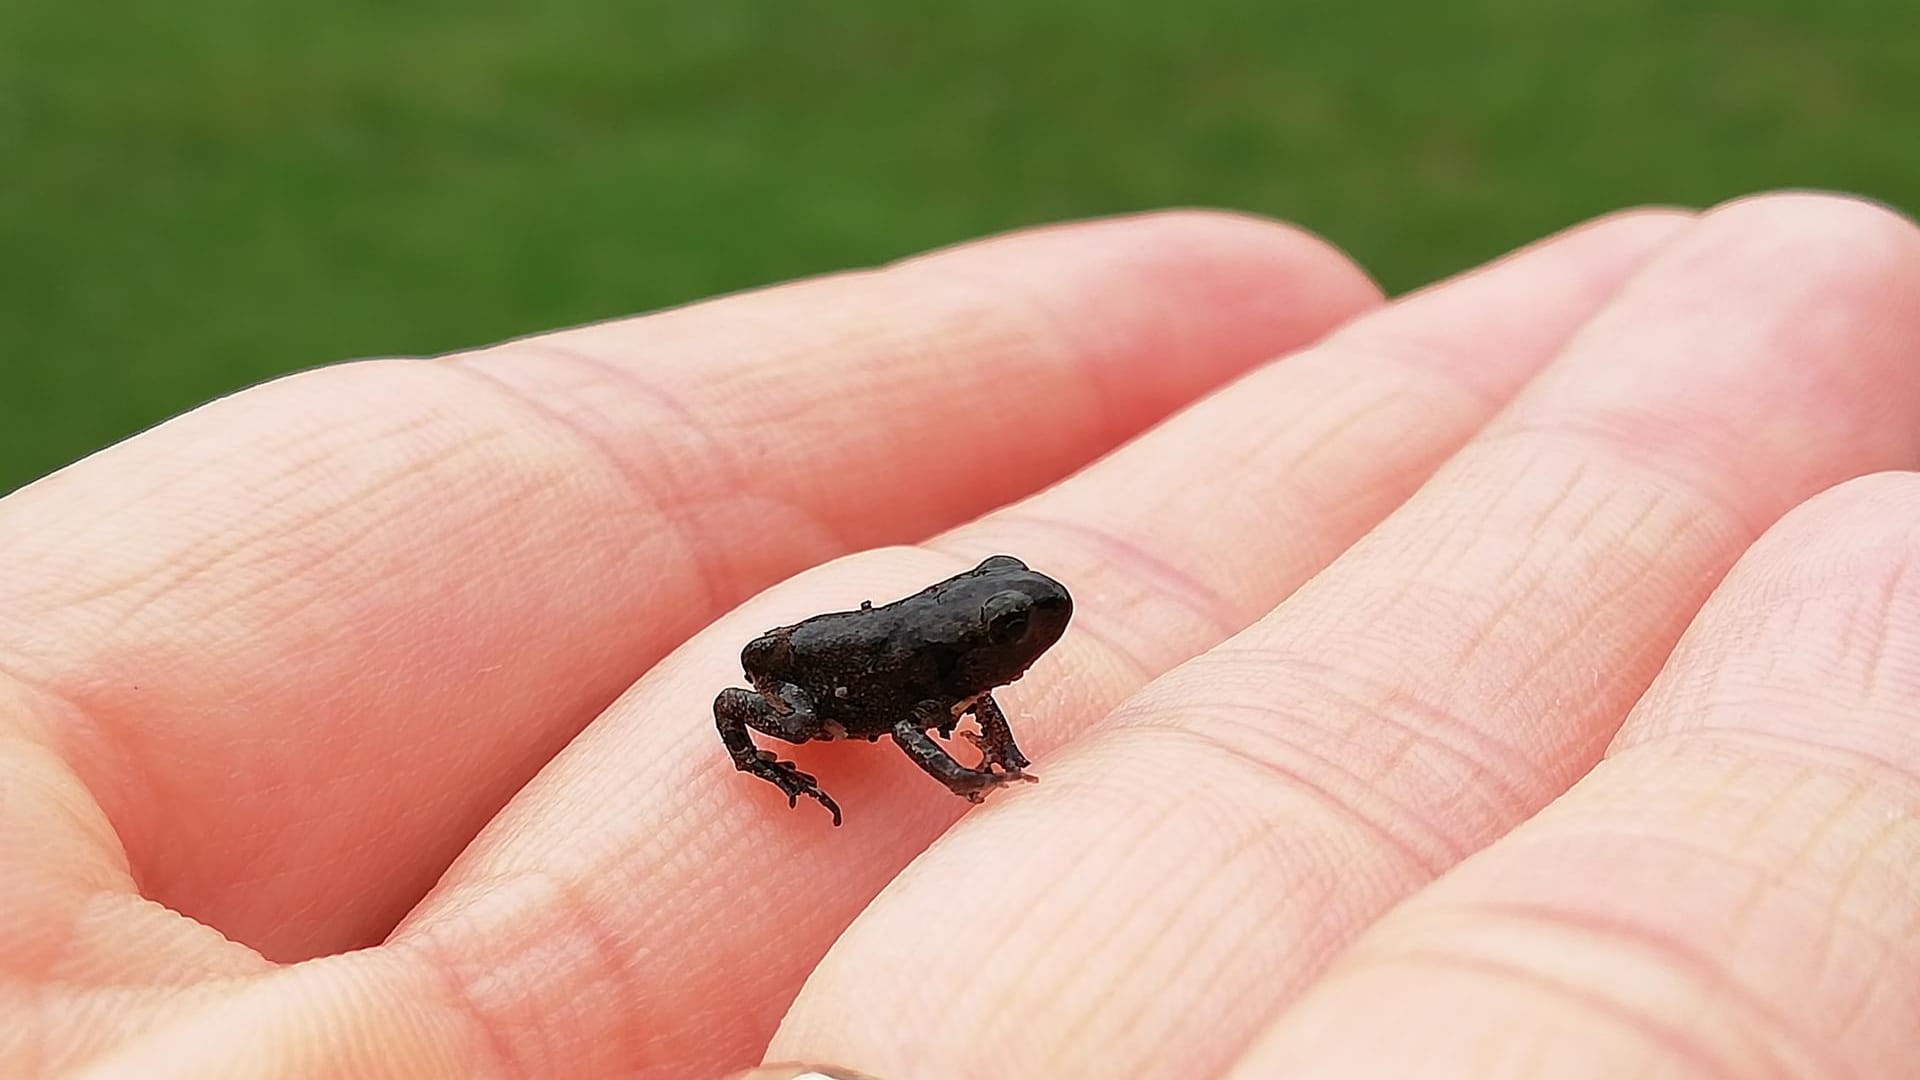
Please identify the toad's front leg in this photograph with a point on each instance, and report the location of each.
(971, 784)
(996, 740)
(736, 710)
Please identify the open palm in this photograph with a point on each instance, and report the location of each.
(361, 724)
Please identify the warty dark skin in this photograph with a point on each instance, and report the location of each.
(903, 670)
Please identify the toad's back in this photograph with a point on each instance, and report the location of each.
(866, 670)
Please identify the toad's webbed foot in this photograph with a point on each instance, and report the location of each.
(734, 711)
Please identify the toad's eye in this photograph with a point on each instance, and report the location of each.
(1006, 617)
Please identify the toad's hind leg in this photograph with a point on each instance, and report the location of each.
(735, 711)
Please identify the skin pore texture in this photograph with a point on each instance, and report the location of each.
(1513, 679)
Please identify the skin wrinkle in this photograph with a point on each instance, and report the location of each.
(1831, 898)
(1726, 782)
(482, 1055)
(1477, 767)
(1260, 838)
(1050, 353)
(1051, 358)
(246, 534)
(796, 325)
(1811, 884)
(200, 565)
(623, 377)
(1455, 545)
(1096, 1010)
(501, 1052)
(1762, 818)
(1613, 447)
(607, 863)
(1680, 956)
(1272, 725)
(726, 472)
(1285, 489)
(610, 958)
(1845, 884)
(1855, 1012)
(1179, 350)
(671, 506)
(1035, 948)
(1391, 369)
(720, 467)
(1394, 755)
(1579, 745)
(1881, 623)
(1422, 723)
(1628, 527)
(1673, 1039)
(1037, 962)
(1045, 323)
(1331, 439)
(1695, 854)
(1269, 768)
(295, 572)
(1433, 364)
(1681, 529)
(1495, 765)
(1764, 744)
(1374, 700)
(1317, 522)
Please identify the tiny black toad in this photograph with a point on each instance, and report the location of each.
(910, 667)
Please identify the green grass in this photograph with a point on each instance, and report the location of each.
(198, 195)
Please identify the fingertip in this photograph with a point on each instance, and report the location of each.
(1829, 206)
(1850, 245)
(1241, 240)
(1189, 239)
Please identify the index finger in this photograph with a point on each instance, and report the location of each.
(301, 643)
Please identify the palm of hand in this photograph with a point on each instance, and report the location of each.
(1346, 627)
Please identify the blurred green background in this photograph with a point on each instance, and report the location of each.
(203, 193)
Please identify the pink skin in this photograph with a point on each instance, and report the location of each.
(1353, 617)
(430, 575)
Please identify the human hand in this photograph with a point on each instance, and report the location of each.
(298, 646)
